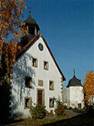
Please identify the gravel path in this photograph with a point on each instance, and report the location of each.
(70, 114)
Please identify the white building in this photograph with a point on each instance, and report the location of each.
(37, 77)
(73, 94)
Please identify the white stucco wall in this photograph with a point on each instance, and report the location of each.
(76, 96)
(23, 67)
(73, 96)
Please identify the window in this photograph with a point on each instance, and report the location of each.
(79, 105)
(51, 85)
(28, 102)
(46, 65)
(51, 102)
(28, 82)
(40, 82)
(34, 62)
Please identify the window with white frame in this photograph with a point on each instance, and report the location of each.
(28, 102)
(46, 65)
(51, 85)
(51, 102)
(40, 82)
(34, 62)
(28, 82)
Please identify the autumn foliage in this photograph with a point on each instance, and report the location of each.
(89, 87)
(10, 11)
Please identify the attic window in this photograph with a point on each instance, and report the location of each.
(46, 65)
(34, 62)
(28, 82)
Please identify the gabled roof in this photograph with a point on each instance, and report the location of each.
(27, 46)
(74, 82)
(30, 44)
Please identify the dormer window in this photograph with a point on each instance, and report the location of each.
(34, 62)
(46, 65)
(28, 82)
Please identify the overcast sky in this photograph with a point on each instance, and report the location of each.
(68, 26)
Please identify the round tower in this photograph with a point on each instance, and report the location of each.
(75, 95)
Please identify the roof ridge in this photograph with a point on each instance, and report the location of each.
(30, 43)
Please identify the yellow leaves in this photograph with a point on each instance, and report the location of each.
(89, 86)
(10, 11)
(13, 49)
(8, 56)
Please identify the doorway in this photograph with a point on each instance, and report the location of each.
(40, 97)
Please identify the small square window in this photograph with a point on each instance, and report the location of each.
(40, 82)
(51, 85)
(51, 102)
(28, 102)
(28, 82)
(34, 62)
(46, 65)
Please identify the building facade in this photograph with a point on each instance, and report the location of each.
(37, 77)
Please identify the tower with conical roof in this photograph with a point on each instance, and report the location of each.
(74, 81)
(32, 30)
(74, 91)
(33, 27)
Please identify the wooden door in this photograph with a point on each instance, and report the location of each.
(40, 97)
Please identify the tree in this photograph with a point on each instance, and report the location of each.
(10, 11)
(89, 88)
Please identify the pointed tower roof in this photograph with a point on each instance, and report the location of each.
(31, 21)
(74, 81)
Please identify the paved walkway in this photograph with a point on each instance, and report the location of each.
(71, 118)
(75, 119)
(70, 114)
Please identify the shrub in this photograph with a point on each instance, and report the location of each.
(38, 112)
(50, 114)
(90, 110)
(60, 108)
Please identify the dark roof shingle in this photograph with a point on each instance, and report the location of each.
(74, 82)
